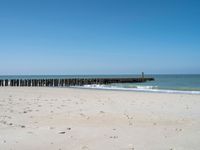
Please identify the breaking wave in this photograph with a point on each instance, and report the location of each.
(137, 88)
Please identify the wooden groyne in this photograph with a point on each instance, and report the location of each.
(69, 82)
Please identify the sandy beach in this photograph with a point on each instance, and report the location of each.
(82, 119)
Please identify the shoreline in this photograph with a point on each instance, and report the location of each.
(153, 91)
(142, 90)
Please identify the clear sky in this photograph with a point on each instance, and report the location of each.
(99, 36)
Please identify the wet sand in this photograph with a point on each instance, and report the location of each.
(82, 119)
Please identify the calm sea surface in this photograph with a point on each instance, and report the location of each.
(168, 83)
(162, 83)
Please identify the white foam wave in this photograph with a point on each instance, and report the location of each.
(146, 87)
(137, 88)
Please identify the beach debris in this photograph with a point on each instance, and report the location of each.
(62, 132)
(113, 137)
(68, 128)
(102, 112)
(178, 130)
(22, 126)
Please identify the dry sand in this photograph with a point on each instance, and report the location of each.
(81, 119)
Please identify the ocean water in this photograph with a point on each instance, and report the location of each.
(189, 84)
(163, 83)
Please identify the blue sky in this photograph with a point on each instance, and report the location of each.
(99, 36)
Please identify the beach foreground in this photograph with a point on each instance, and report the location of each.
(82, 119)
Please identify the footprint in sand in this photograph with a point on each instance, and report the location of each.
(114, 129)
(83, 115)
(178, 130)
(84, 148)
(130, 123)
(51, 128)
(131, 147)
(29, 132)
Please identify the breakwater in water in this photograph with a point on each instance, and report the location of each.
(69, 82)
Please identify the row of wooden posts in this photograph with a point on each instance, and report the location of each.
(68, 82)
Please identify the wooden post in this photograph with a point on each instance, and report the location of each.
(17, 82)
(25, 82)
(6, 82)
(29, 82)
(142, 76)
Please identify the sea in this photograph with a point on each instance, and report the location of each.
(188, 84)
